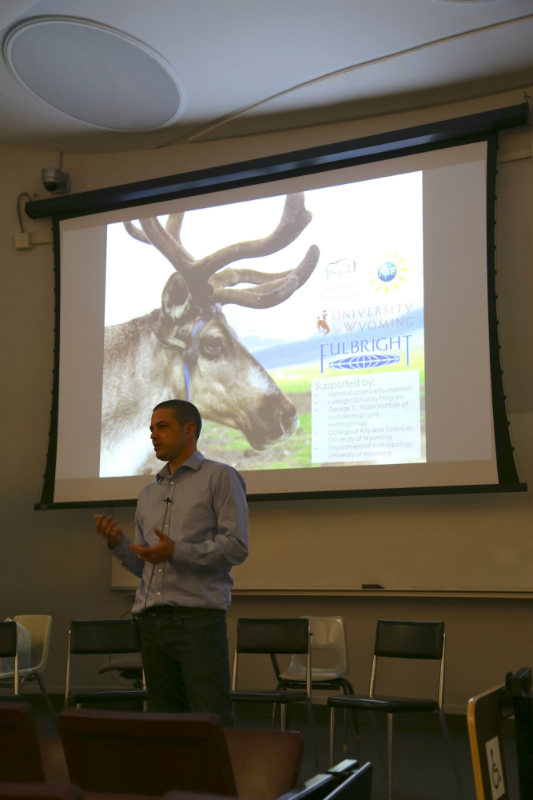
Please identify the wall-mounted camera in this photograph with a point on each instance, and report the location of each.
(55, 180)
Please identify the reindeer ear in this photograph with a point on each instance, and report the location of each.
(176, 300)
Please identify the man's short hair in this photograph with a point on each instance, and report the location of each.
(183, 412)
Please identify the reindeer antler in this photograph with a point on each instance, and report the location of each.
(269, 290)
(203, 276)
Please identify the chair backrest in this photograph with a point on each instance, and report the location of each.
(414, 640)
(20, 757)
(8, 639)
(397, 639)
(95, 637)
(266, 764)
(8, 649)
(40, 627)
(484, 722)
(272, 635)
(146, 753)
(36, 791)
(98, 637)
(327, 633)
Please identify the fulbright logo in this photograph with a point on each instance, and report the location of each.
(365, 353)
(363, 362)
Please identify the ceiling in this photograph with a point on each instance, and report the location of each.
(95, 75)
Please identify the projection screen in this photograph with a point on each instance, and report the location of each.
(332, 328)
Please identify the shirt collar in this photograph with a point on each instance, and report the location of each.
(193, 462)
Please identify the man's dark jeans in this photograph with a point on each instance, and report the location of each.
(185, 659)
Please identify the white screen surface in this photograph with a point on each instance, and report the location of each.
(373, 374)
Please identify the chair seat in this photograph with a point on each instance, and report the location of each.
(269, 697)
(390, 705)
(105, 697)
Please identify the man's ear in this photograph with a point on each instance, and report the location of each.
(190, 429)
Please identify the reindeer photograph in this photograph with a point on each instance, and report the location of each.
(227, 306)
(186, 348)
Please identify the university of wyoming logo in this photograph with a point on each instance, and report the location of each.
(321, 323)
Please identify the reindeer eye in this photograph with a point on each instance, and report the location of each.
(213, 346)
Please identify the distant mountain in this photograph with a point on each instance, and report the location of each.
(308, 350)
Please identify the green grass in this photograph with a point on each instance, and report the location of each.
(298, 378)
(230, 446)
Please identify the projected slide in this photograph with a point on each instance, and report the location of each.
(295, 323)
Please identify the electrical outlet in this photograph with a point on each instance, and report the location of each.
(22, 241)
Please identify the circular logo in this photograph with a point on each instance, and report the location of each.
(387, 271)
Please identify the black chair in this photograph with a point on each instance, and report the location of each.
(394, 639)
(8, 649)
(98, 637)
(274, 637)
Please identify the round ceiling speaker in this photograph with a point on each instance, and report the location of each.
(95, 73)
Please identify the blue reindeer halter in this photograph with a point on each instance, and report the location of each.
(184, 343)
(198, 328)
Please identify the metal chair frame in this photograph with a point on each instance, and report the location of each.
(79, 644)
(321, 684)
(382, 625)
(273, 649)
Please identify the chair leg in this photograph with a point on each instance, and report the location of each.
(44, 693)
(390, 722)
(446, 733)
(345, 742)
(347, 689)
(332, 736)
(357, 734)
(311, 722)
(283, 715)
(375, 731)
(273, 717)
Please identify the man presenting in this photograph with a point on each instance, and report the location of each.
(191, 527)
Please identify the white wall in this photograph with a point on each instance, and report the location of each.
(53, 562)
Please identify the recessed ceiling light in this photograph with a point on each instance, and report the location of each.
(95, 73)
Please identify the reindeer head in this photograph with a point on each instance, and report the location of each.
(223, 379)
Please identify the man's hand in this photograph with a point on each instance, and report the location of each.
(107, 527)
(162, 551)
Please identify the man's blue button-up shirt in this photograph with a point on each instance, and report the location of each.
(207, 519)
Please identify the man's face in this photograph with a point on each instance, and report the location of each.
(170, 439)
